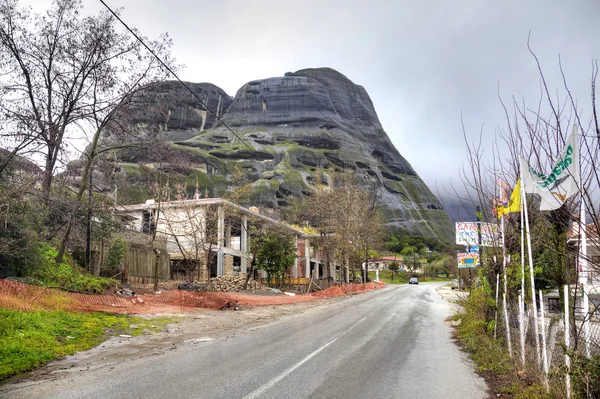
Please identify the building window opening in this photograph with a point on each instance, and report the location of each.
(148, 222)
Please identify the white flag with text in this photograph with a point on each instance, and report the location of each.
(563, 180)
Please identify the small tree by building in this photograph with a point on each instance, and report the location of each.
(275, 252)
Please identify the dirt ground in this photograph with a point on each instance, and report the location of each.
(190, 329)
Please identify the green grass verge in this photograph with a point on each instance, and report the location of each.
(402, 277)
(31, 339)
(427, 279)
(386, 277)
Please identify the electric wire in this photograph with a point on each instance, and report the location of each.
(190, 90)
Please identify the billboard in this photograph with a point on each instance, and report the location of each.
(467, 260)
(467, 234)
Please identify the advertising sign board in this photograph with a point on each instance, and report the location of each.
(467, 260)
(467, 233)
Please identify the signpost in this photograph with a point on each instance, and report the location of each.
(474, 235)
(467, 260)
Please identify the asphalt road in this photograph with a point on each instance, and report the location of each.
(391, 343)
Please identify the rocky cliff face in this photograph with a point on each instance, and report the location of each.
(290, 126)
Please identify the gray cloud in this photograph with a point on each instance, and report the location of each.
(422, 62)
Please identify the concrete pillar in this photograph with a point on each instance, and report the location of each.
(228, 234)
(316, 272)
(306, 258)
(295, 268)
(220, 262)
(332, 270)
(220, 238)
(346, 268)
(244, 244)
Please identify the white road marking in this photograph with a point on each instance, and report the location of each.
(271, 383)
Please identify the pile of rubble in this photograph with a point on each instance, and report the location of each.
(230, 284)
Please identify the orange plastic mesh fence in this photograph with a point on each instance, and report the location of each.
(18, 296)
(328, 292)
(347, 289)
(24, 297)
(264, 300)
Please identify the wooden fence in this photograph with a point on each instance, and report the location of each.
(138, 265)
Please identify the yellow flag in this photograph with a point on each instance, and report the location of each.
(514, 203)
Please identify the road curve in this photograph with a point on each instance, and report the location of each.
(390, 343)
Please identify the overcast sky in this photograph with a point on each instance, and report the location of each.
(422, 62)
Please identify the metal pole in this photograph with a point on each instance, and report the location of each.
(88, 232)
(544, 348)
(497, 290)
(583, 277)
(531, 275)
(503, 255)
(522, 296)
(522, 256)
(507, 326)
(504, 302)
(567, 342)
(522, 330)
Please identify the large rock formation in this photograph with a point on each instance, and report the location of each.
(285, 129)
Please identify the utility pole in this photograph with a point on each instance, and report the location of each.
(88, 233)
(479, 235)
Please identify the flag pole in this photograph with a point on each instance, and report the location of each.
(583, 275)
(496, 312)
(531, 271)
(505, 290)
(522, 296)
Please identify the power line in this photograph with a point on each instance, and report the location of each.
(188, 88)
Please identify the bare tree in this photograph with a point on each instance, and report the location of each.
(62, 73)
(346, 218)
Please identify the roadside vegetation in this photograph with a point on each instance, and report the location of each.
(386, 276)
(506, 296)
(401, 277)
(31, 339)
(475, 331)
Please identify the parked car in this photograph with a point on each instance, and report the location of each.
(413, 280)
(457, 285)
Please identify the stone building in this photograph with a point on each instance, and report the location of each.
(198, 232)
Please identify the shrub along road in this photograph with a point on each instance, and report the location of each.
(390, 343)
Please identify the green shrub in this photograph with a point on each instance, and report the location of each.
(585, 375)
(114, 259)
(476, 333)
(20, 235)
(68, 275)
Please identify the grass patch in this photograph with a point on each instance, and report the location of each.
(386, 277)
(426, 279)
(31, 339)
(402, 277)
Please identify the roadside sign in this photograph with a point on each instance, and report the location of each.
(467, 233)
(474, 248)
(467, 260)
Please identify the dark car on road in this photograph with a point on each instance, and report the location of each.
(413, 280)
